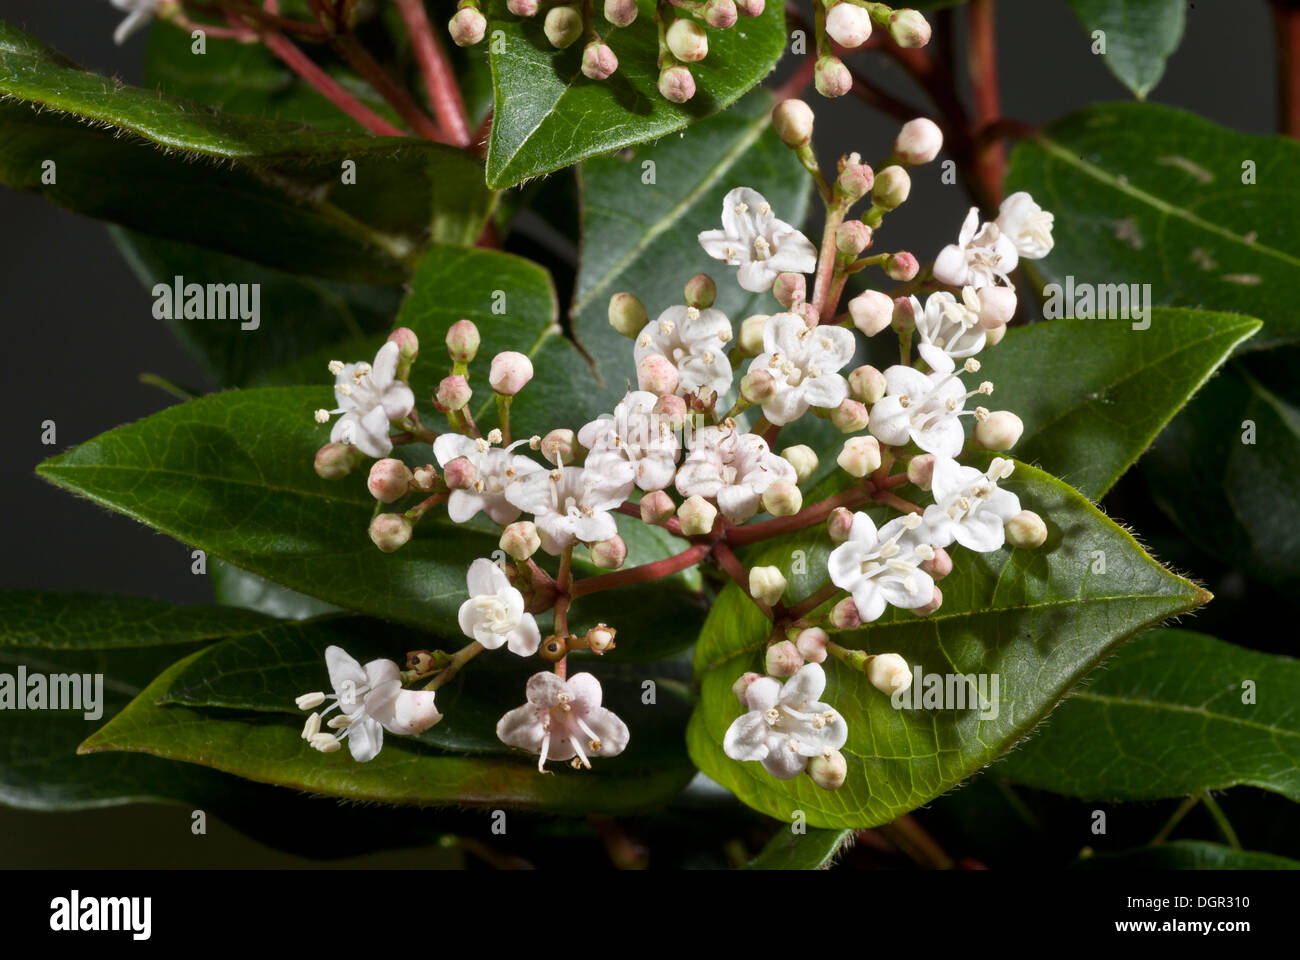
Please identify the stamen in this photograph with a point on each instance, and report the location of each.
(310, 701)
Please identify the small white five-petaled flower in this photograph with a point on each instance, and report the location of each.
(496, 469)
(925, 408)
(568, 504)
(563, 720)
(731, 468)
(969, 507)
(948, 328)
(494, 613)
(753, 239)
(804, 362)
(634, 441)
(880, 567)
(786, 725)
(692, 341)
(368, 398)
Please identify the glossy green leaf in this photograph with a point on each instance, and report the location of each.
(267, 191)
(1151, 195)
(268, 748)
(811, 850)
(1139, 36)
(1107, 389)
(1175, 713)
(1038, 620)
(239, 588)
(548, 115)
(1227, 470)
(642, 238)
(1187, 855)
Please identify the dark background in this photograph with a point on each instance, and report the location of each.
(78, 332)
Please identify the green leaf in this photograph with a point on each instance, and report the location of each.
(1111, 389)
(1166, 718)
(1038, 620)
(267, 191)
(641, 238)
(1186, 855)
(1151, 195)
(239, 588)
(268, 748)
(548, 115)
(812, 850)
(1139, 36)
(1227, 470)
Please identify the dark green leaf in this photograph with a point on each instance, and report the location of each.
(1187, 855)
(548, 115)
(1139, 36)
(812, 850)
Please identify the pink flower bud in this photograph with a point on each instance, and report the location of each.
(997, 306)
(742, 684)
(510, 372)
(844, 615)
(904, 315)
(831, 77)
(696, 516)
(627, 314)
(936, 601)
(562, 26)
(1026, 530)
(390, 531)
(561, 447)
(849, 417)
(677, 84)
(790, 288)
(860, 456)
(920, 470)
(656, 374)
(892, 187)
(811, 644)
(453, 393)
(462, 341)
(609, 554)
(848, 25)
(520, 540)
(939, 565)
(460, 474)
(687, 40)
(598, 61)
(750, 341)
(993, 337)
(918, 142)
(871, 311)
(522, 8)
(758, 387)
(855, 180)
(407, 342)
(782, 499)
(902, 266)
(867, 384)
(829, 769)
(1000, 431)
(751, 8)
(467, 28)
(839, 524)
(657, 508)
(852, 237)
(909, 28)
(389, 480)
(782, 659)
(620, 13)
(793, 122)
(336, 460)
(804, 460)
(888, 673)
(701, 291)
(720, 13)
(671, 409)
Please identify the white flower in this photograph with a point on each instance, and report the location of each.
(1027, 225)
(497, 469)
(692, 341)
(786, 725)
(635, 441)
(568, 504)
(981, 256)
(760, 244)
(804, 362)
(371, 700)
(139, 13)
(494, 613)
(563, 719)
(969, 507)
(731, 468)
(369, 397)
(949, 328)
(880, 567)
(924, 408)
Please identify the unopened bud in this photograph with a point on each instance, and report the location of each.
(790, 288)
(561, 447)
(1026, 530)
(696, 516)
(467, 27)
(389, 480)
(993, 337)
(793, 121)
(889, 673)
(721, 14)
(408, 344)
(671, 410)
(750, 341)
(782, 659)
(852, 237)
(620, 13)
(829, 769)
(804, 460)
(844, 615)
(855, 180)
(904, 314)
(627, 314)
(918, 142)
(997, 306)
(522, 8)
(811, 644)
(656, 374)
(920, 470)
(453, 393)
(848, 25)
(510, 372)
(839, 524)
(782, 499)
(893, 184)
(656, 508)
(336, 460)
(999, 431)
(751, 8)
(677, 84)
(739, 688)
(520, 540)
(850, 416)
(598, 61)
(867, 384)
(462, 341)
(600, 638)
(766, 584)
(936, 601)
(758, 387)
(562, 26)
(390, 531)
(908, 28)
(460, 474)
(872, 311)
(687, 40)
(831, 77)
(902, 266)
(609, 554)
(701, 291)
(939, 565)
(860, 456)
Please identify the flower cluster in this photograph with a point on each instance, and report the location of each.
(692, 449)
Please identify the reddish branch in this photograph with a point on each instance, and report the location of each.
(439, 81)
(807, 517)
(982, 60)
(647, 571)
(1286, 25)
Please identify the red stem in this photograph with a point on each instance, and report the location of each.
(733, 568)
(647, 571)
(440, 83)
(990, 159)
(1286, 26)
(807, 517)
(897, 502)
(359, 58)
